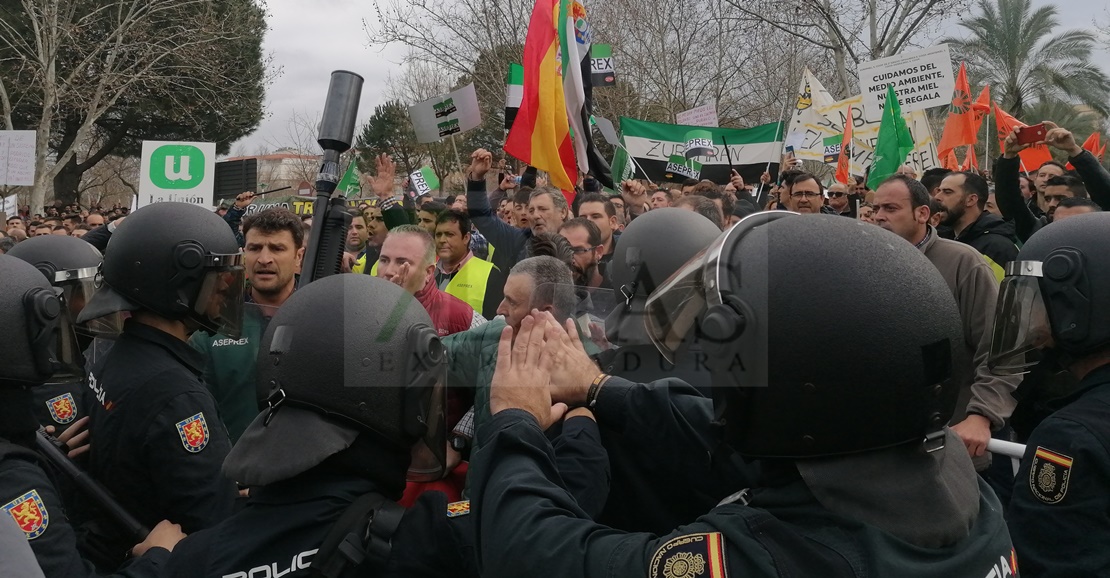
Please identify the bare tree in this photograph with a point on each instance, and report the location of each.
(84, 57)
(851, 31)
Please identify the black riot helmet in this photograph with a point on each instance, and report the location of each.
(73, 266)
(178, 261)
(651, 249)
(346, 357)
(30, 314)
(1055, 296)
(788, 379)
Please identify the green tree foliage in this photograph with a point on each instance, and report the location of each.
(1016, 50)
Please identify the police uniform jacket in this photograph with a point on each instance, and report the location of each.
(528, 526)
(157, 440)
(28, 497)
(1060, 510)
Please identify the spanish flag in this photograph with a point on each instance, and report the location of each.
(540, 135)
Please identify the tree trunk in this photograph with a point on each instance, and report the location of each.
(68, 181)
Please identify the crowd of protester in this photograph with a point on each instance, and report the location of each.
(485, 260)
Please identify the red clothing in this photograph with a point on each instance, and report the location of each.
(449, 313)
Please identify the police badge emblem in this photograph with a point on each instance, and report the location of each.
(455, 509)
(29, 514)
(193, 432)
(63, 409)
(1048, 475)
(690, 556)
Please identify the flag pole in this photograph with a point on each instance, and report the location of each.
(457, 161)
(778, 129)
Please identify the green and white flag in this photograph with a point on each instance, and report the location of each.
(514, 93)
(348, 185)
(424, 181)
(601, 65)
(655, 144)
(699, 143)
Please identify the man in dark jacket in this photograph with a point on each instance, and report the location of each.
(964, 197)
(1096, 181)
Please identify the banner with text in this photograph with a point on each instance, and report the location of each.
(602, 70)
(661, 150)
(921, 79)
(17, 157)
(443, 116)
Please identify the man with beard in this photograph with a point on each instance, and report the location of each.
(273, 254)
(603, 213)
(1051, 181)
(985, 401)
(964, 198)
(585, 239)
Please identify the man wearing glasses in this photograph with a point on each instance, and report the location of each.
(806, 195)
(585, 239)
(840, 201)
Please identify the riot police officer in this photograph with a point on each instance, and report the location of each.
(651, 249)
(157, 441)
(74, 266)
(1056, 298)
(354, 370)
(30, 315)
(858, 476)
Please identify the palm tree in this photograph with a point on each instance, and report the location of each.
(1012, 47)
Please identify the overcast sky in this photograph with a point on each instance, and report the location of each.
(308, 40)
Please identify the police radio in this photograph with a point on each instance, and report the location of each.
(324, 253)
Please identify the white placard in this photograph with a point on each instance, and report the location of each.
(922, 80)
(183, 172)
(443, 116)
(17, 157)
(704, 115)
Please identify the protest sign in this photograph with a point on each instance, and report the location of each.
(297, 204)
(424, 181)
(660, 151)
(705, 115)
(601, 65)
(183, 172)
(17, 157)
(921, 79)
(9, 205)
(442, 116)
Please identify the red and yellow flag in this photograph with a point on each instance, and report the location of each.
(844, 161)
(1093, 145)
(540, 135)
(1031, 158)
(960, 127)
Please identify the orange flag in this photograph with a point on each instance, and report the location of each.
(844, 161)
(949, 161)
(970, 160)
(1092, 145)
(1031, 158)
(960, 127)
(980, 108)
(540, 135)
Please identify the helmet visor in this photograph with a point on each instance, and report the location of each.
(1021, 323)
(674, 307)
(80, 291)
(220, 300)
(587, 306)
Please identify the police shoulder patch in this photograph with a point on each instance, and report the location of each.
(455, 509)
(29, 514)
(193, 432)
(690, 556)
(1048, 475)
(63, 409)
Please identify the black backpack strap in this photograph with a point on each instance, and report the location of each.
(795, 555)
(362, 534)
